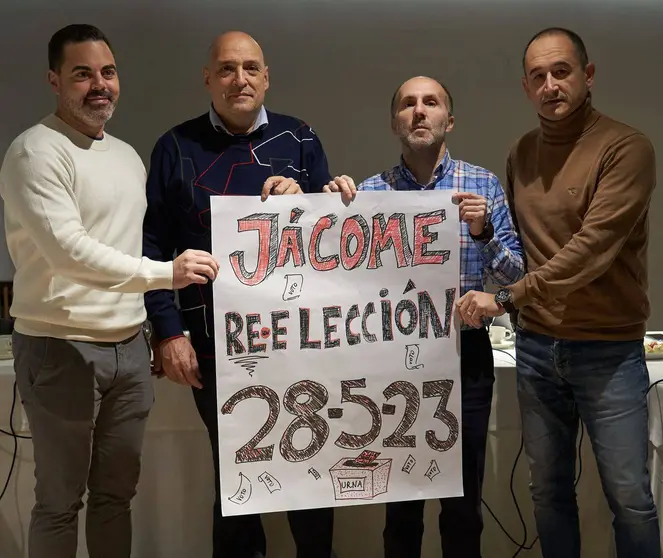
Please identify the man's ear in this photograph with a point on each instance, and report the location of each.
(450, 124)
(54, 81)
(590, 71)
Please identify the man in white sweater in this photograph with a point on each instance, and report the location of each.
(74, 206)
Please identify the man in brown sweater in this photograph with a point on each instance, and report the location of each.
(579, 187)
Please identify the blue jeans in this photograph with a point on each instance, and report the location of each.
(603, 383)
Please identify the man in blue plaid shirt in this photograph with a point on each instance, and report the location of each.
(422, 115)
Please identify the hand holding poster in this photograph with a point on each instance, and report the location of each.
(338, 372)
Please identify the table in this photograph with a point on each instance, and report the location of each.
(172, 511)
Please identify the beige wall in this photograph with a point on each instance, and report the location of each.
(336, 63)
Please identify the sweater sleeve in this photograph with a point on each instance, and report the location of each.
(626, 182)
(37, 188)
(508, 191)
(158, 238)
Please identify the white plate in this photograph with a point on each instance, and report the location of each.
(503, 345)
(648, 340)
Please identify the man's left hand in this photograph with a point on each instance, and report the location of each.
(473, 209)
(474, 305)
(279, 186)
(343, 184)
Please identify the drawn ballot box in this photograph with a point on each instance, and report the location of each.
(363, 477)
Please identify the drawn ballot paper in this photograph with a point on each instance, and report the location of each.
(337, 349)
(243, 493)
(412, 357)
(270, 482)
(294, 283)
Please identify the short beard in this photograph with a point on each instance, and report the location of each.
(88, 115)
(414, 143)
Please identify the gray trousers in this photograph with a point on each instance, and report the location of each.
(87, 406)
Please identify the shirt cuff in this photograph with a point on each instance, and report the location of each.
(489, 246)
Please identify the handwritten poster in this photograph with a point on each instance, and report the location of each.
(338, 371)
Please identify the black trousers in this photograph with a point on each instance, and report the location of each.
(460, 521)
(243, 536)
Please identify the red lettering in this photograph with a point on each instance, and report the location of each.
(291, 244)
(422, 237)
(318, 262)
(267, 226)
(354, 227)
(385, 236)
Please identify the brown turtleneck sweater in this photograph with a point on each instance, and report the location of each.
(580, 190)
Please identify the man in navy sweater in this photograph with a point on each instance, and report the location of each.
(237, 148)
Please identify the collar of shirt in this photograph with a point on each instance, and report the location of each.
(441, 170)
(219, 126)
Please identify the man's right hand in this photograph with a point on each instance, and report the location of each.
(194, 266)
(179, 362)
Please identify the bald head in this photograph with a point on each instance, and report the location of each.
(416, 83)
(232, 41)
(236, 78)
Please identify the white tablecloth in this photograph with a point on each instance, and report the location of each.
(172, 511)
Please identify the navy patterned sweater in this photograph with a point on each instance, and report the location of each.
(194, 161)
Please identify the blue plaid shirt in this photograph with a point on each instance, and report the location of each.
(501, 258)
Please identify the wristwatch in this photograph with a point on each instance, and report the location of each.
(486, 234)
(504, 297)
